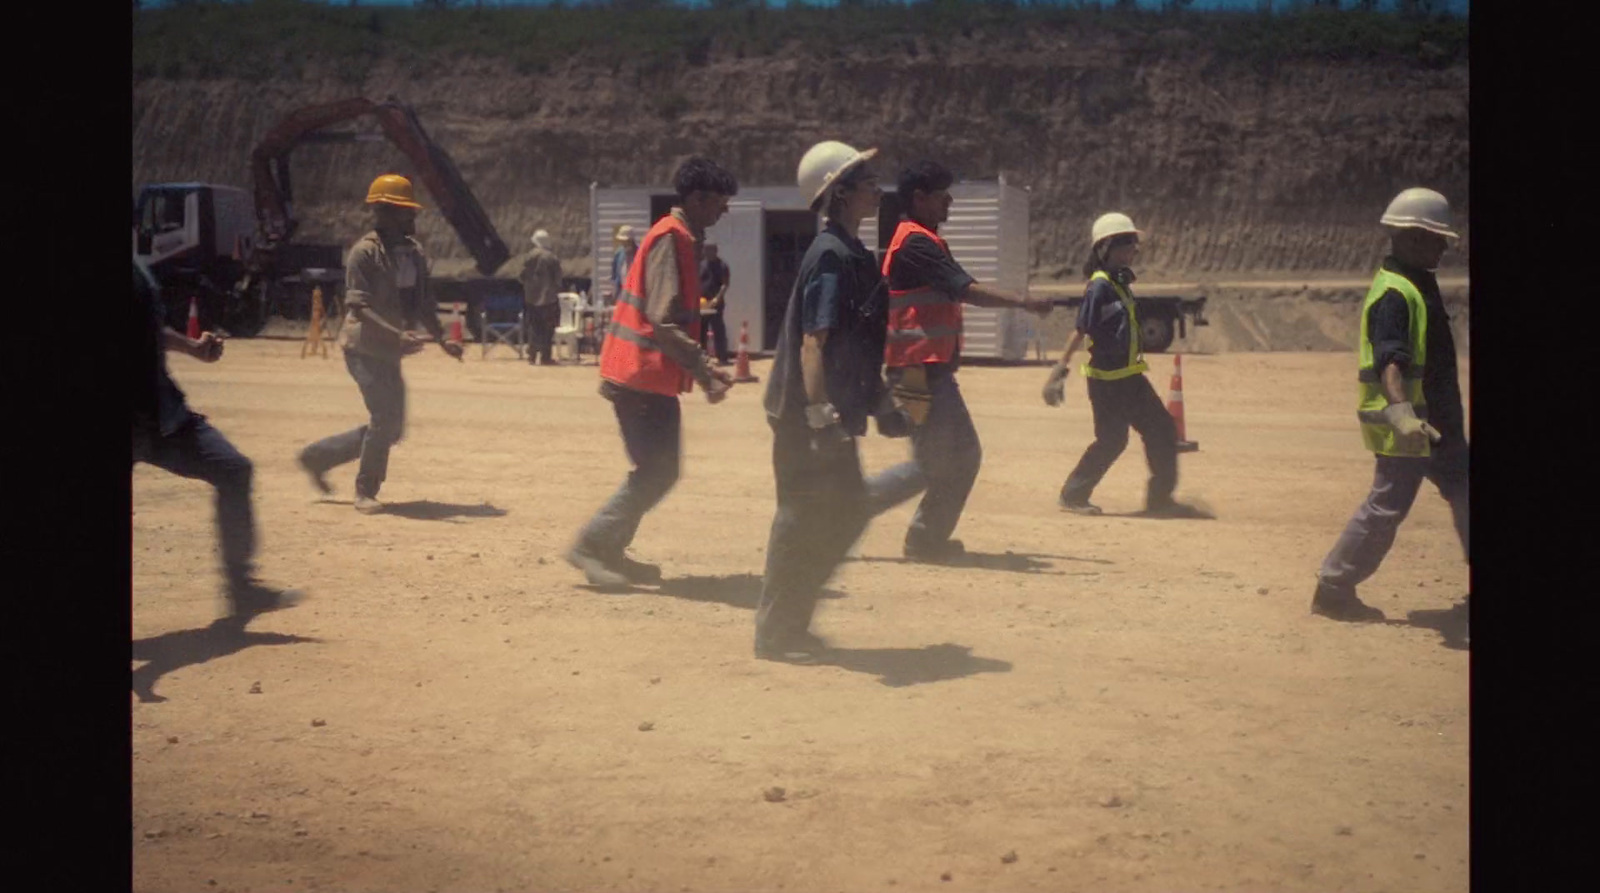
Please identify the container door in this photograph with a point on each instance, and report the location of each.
(740, 236)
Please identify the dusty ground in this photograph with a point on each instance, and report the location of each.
(1123, 704)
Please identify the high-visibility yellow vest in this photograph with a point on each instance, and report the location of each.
(1375, 430)
(1136, 363)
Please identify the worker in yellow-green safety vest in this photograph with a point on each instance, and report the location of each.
(1408, 405)
(1118, 391)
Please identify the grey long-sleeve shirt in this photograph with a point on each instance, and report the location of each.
(670, 311)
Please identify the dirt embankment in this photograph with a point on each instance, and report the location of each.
(1230, 168)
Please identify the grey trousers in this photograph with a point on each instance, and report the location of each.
(947, 455)
(200, 452)
(652, 426)
(384, 392)
(1395, 482)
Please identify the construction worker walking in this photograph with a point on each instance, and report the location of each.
(1119, 393)
(1408, 403)
(714, 281)
(826, 380)
(386, 293)
(541, 299)
(651, 355)
(926, 290)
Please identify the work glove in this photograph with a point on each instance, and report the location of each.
(1409, 429)
(1055, 389)
(827, 435)
(893, 421)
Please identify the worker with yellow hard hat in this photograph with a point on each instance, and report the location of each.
(1408, 403)
(1119, 393)
(385, 295)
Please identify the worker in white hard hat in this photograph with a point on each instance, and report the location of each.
(927, 288)
(1409, 404)
(826, 381)
(541, 299)
(1119, 393)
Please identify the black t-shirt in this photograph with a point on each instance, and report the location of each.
(1389, 328)
(713, 275)
(921, 263)
(158, 404)
(1105, 320)
(838, 290)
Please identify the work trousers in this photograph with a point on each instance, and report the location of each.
(946, 454)
(384, 392)
(1118, 405)
(823, 507)
(1395, 482)
(200, 452)
(652, 427)
(539, 330)
(713, 329)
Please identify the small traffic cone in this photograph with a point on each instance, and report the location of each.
(1175, 406)
(741, 367)
(455, 324)
(194, 318)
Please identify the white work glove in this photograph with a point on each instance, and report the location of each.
(1055, 389)
(827, 435)
(1407, 427)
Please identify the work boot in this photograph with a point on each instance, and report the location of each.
(368, 505)
(1169, 508)
(946, 552)
(637, 571)
(248, 598)
(1078, 506)
(598, 571)
(1343, 605)
(317, 479)
(549, 361)
(799, 648)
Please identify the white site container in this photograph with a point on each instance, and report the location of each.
(768, 228)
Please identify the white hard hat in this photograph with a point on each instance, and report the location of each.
(1113, 224)
(1420, 208)
(823, 165)
(624, 233)
(541, 238)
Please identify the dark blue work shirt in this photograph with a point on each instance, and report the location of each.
(1389, 329)
(839, 290)
(158, 404)
(1102, 317)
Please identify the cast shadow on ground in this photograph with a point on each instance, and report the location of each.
(899, 667)
(1449, 623)
(735, 590)
(1016, 562)
(188, 647)
(428, 510)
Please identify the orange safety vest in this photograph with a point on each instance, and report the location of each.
(631, 356)
(924, 324)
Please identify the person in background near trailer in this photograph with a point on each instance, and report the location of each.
(1409, 404)
(621, 260)
(541, 299)
(1119, 393)
(713, 294)
(651, 355)
(926, 290)
(826, 380)
(168, 435)
(385, 293)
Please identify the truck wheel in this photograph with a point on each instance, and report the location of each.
(1155, 333)
(247, 314)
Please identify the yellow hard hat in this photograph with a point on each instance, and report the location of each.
(392, 189)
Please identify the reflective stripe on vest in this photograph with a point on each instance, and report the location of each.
(1376, 434)
(633, 359)
(924, 324)
(1136, 363)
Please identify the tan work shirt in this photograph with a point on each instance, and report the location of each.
(541, 278)
(391, 284)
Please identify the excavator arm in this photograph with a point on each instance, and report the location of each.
(269, 165)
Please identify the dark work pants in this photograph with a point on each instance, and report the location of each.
(947, 455)
(713, 329)
(1395, 482)
(652, 426)
(1119, 405)
(539, 328)
(823, 507)
(385, 394)
(200, 452)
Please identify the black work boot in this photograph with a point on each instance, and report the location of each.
(1078, 505)
(316, 475)
(248, 598)
(947, 552)
(637, 571)
(1342, 604)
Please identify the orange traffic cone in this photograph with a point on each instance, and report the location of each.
(194, 318)
(741, 367)
(455, 324)
(1175, 405)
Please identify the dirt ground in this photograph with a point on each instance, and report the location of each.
(1100, 704)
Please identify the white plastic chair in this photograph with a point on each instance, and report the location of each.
(568, 328)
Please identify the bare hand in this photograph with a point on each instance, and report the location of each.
(208, 349)
(1040, 307)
